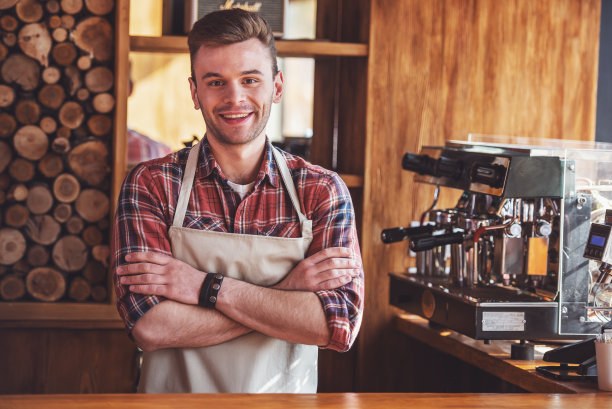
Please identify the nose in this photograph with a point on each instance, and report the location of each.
(234, 94)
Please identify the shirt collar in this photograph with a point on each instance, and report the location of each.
(268, 168)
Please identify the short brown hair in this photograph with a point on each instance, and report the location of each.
(231, 26)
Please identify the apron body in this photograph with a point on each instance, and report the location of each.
(252, 363)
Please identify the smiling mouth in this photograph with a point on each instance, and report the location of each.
(235, 116)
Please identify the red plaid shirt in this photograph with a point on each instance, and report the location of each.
(148, 199)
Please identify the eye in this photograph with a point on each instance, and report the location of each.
(251, 81)
(215, 83)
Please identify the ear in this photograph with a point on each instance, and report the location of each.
(278, 87)
(194, 93)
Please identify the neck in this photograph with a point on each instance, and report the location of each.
(239, 163)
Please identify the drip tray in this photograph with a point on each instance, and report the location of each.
(481, 294)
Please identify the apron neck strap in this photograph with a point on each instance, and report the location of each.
(281, 163)
(186, 185)
(189, 176)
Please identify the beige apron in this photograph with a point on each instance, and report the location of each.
(252, 363)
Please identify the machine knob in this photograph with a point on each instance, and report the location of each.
(422, 164)
(427, 243)
(403, 233)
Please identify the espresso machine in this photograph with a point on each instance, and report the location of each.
(506, 262)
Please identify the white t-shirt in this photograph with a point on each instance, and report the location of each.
(242, 190)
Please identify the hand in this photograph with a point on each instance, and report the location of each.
(328, 269)
(159, 274)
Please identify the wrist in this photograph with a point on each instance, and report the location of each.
(209, 292)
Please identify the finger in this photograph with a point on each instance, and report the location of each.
(143, 279)
(337, 263)
(139, 268)
(330, 252)
(149, 289)
(334, 283)
(332, 274)
(148, 256)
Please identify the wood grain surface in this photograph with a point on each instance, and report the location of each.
(339, 137)
(439, 70)
(493, 358)
(66, 361)
(323, 401)
(284, 48)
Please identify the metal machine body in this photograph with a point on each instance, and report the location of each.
(507, 261)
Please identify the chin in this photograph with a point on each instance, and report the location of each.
(235, 140)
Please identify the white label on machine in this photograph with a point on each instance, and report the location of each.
(503, 321)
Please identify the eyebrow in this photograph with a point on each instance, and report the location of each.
(217, 75)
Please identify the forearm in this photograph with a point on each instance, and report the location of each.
(294, 316)
(171, 324)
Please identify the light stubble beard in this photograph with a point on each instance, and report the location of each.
(224, 139)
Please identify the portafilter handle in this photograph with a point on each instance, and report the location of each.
(402, 233)
(422, 164)
(426, 165)
(427, 243)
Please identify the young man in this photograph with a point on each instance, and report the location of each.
(233, 260)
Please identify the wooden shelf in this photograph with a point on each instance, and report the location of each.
(352, 180)
(295, 48)
(285, 48)
(59, 315)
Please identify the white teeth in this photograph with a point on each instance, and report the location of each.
(235, 116)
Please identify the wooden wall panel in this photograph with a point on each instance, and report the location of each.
(66, 361)
(340, 89)
(424, 369)
(439, 70)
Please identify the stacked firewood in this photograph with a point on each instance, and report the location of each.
(56, 123)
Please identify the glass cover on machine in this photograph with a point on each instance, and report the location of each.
(584, 288)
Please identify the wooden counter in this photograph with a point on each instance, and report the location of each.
(493, 358)
(327, 401)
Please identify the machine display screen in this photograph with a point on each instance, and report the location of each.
(598, 241)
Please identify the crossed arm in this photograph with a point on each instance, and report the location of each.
(157, 294)
(290, 310)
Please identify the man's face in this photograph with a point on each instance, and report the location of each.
(235, 90)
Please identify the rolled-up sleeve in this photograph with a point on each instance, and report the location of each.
(334, 226)
(139, 225)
